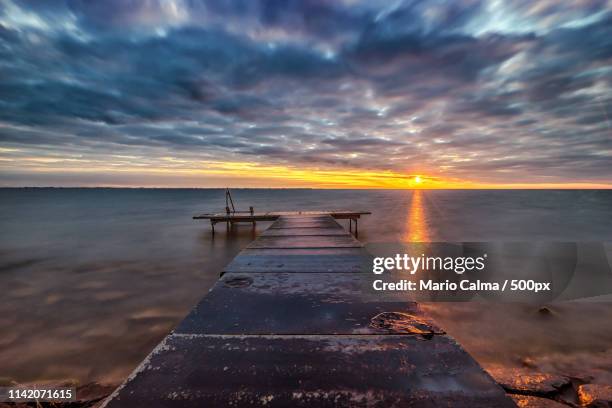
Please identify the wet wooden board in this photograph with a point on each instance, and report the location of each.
(306, 222)
(345, 241)
(314, 231)
(309, 218)
(275, 263)
(305, 251)
(300, 217)
(309, 371)
(277, 303)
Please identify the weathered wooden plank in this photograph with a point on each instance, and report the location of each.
(281, 303)
(304, 251)
(314, 231)
(328, 223)
(305, 225)
(302, 222)
(296, 221)
(293, 217)
(273, 215)
(309, 371)
(306, 242)
(273, 263)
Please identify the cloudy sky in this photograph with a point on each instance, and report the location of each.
(287, 93)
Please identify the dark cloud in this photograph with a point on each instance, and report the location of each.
(524, 86)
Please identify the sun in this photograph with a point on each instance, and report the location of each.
(418, 179)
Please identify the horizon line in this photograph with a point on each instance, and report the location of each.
(534, 187)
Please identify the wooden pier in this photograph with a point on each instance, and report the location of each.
(290, 323)
(232, 217)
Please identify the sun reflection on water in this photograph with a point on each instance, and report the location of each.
(416, 227)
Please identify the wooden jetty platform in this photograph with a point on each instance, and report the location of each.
(231, 217)
(290, 324)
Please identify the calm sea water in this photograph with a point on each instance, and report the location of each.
(93, 279)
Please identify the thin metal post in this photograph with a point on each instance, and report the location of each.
(227, 212)
(229, 195)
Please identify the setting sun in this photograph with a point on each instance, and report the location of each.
(417, 179)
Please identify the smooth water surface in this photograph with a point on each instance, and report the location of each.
(93, 279)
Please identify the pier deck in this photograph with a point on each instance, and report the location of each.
(273, 216)
(291, 324)
(230, 217)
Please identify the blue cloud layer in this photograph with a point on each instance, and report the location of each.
(503, 90)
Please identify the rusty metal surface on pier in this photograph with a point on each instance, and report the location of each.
(290, 324)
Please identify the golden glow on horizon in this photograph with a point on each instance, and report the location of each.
(171, 172)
